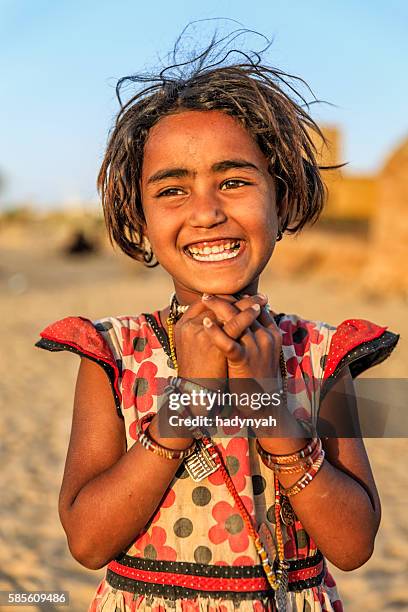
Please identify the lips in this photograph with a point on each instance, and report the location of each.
(214, 250)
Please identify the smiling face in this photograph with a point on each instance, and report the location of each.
(209, 203)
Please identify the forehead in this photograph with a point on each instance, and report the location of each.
(199, 138)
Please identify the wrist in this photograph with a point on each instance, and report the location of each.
(187, 380)
(282, 446)
(174, 443)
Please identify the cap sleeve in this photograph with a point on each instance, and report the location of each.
(80, 336)
(358, 344)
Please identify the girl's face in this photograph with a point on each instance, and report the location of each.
(209, 203)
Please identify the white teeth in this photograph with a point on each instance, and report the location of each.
(217, 249)
(214, 256)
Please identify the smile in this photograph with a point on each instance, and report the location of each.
(217, 250)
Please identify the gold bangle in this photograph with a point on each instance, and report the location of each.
(300, 466)
(306, 478)
(304, 452)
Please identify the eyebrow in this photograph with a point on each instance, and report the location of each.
(221, 166)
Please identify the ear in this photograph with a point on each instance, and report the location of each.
(283, 208)
(145, 230)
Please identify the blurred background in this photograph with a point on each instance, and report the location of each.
(59, 64)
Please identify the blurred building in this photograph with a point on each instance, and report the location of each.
(380, 203)
(350, 196)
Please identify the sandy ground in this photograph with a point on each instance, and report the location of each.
(37, 286)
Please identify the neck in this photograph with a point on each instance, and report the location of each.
(187, 296)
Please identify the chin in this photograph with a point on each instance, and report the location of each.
(222, 288)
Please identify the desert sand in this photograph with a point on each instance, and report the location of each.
(320, 278)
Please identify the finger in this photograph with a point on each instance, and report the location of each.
(194, 310)
(247, 301)
(222, 308)
(240, 323)
(227, 345)
(267, 329)
(266, 318)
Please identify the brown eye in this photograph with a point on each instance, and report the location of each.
(233, 184)
(171, 191)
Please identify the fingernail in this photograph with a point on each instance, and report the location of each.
(263, 296)
(256, 307)
(207, 322)
(206, 296)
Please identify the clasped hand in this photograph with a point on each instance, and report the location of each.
(220, 337)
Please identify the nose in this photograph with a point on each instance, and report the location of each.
(206, 210)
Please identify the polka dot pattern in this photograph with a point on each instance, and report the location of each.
(201, 496)
(202, 554)
(197, 527)
(183, 527)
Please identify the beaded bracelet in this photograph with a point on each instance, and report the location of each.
(299, 466)
(177, 384)
(147, 442)
(304, 452)
(306, 478)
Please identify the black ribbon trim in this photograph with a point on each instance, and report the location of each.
(210, 571)
(53, 346)
(362, 357)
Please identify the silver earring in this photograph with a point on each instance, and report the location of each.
(147, 252)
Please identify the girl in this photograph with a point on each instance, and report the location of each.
(205, 173)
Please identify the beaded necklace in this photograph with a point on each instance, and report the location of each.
(278, 579)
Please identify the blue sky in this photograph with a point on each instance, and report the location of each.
(59, 62)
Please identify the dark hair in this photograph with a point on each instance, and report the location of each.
(263, 99)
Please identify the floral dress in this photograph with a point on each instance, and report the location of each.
(195, 554)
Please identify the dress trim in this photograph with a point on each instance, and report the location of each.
(360, 358)
(54, 338)
(159, 331)
(181, 579)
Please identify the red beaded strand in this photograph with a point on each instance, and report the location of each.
(274, 579)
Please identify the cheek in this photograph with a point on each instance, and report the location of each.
(161, 232)
(266, 221)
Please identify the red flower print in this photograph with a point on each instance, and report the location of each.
(222, 563)
(169, 499)
(292, 365)
(301, 413)
(300, 334)
(139, 388)
(286, 331)
(300, 375)
(230, 525)
(296, 384)
(152, 520)
(153, 545)
(243, 560)
(311, 383)
(139, 341)
(128, 388)
(236, 458)
(129, 339)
